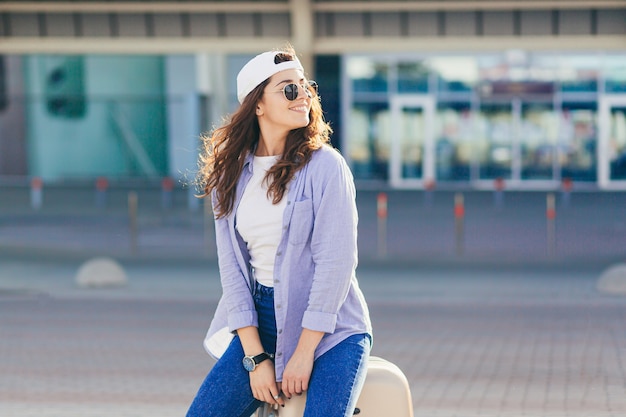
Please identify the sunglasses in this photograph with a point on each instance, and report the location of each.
(291, 91)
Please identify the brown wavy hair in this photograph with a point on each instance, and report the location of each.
(223, 153)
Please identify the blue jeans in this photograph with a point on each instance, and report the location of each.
(336, 379)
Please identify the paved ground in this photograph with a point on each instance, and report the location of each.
(471, 341)
(508, 328)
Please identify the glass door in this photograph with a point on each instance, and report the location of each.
(612, 142)
(538, 135)
(495, 129)
(577, 144)
(412, 145)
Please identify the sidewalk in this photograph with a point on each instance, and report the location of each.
(500, 341)
(501, 330)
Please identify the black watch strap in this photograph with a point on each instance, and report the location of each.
(262, 356)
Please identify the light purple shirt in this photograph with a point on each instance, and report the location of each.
(315, 285)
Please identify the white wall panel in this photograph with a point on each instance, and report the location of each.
(423, 24)
(60, 24)
(132, 25)
(536, 23)
(96, 25)
(349, 24)
(386, 24)
(24, 24)
(575, 22)
(460, 24)
(275, 25)
(498, 23)
(168, 25)
(204, 25)
(240, 25)
(612, 22)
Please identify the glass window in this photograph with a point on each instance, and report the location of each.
(369, 140)
(453, 136)
(579, 73)
(367, 75)
(538, 134)
(577, 141)
(617, 143)
(494, 140)
(455, 73)
(412, 77)
(615, 74)
(412, 139)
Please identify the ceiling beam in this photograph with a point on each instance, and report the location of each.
(32, 45)
(453, 6)
(143, 7)
(284, 6)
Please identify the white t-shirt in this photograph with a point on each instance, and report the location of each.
(259, 222)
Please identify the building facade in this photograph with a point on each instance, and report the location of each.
(527, 93)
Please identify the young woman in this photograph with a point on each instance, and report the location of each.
(292, 317)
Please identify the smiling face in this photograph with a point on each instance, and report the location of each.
(274, 111)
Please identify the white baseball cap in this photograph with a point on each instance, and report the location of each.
(260, 68)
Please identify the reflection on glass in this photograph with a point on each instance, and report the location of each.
(369, 138)
(412, 135)
(538, 135)
(494, 140)
(615, 74)
(368, 76)
(412, 77)
(455, 73)
(577, 141)
(453, 135)
(617, 143)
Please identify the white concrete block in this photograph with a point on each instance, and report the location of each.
(101, 272)
(613, 280)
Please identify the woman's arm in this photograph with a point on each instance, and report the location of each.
(333, 243)
(263, 378)
(298, 370)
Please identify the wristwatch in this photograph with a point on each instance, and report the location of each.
(250, 362)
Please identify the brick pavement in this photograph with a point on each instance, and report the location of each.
(472, 340)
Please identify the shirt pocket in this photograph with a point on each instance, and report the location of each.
(301, 224)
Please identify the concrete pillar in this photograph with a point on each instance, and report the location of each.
(302, 35)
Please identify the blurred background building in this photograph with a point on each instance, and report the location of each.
(453, 93)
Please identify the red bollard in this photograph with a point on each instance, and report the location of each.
(498, 195)
(381, 213)
(167, 186)
(102, 185)
(566, 188)
(429, 188)
(36, 193)
(459, 219)
(551, 224)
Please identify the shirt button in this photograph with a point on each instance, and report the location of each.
(279, 354)
(278, 253)
(285, 227)
(278, 306)
(276, 281)
(288, 202)
(280, 331)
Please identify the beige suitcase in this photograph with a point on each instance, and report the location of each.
(386, 393)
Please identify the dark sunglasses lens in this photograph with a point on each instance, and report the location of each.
(291, 92)
(313, 86)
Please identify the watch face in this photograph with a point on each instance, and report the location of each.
(248, 363)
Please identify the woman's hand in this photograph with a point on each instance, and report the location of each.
(263, 378)
(297, 374)
(264, 385)
(298, 370)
